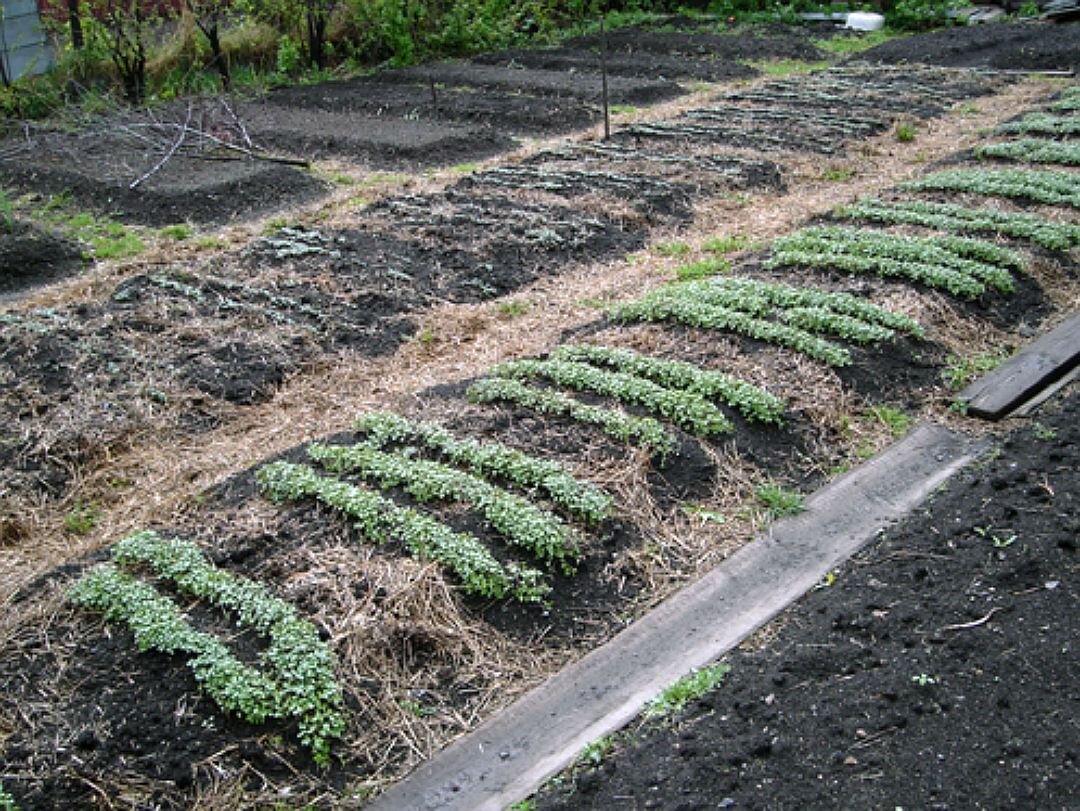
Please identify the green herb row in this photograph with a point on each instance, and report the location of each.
(645, 431)
(515, 518)
(1043, 124)
(680, 304)
(1033, 150)
(964, 267)
(688, 410)
(1068, 100)
(1039, 186)
(582, 499)
(380, 519)
(786, 296)
(754, 403)
(959, 219)
(299, 681)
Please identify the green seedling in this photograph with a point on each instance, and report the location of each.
(778, 501)
(703, 269)
(730, 243)
(1044, 432)
(513, 309)
(894, 419)
(960, 371)
(82, 517)
(178, 232)
(704, 513)
(672, 249)
(594, 753)
(689, 688)
(837, 174)
(923, 680)
(905, 132)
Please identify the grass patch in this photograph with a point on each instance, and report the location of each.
(177, 233)
(729, 243)
(787, 67)
(82, 517)
(703, 269)
(892, 418)
(854, 43)
(672, 249)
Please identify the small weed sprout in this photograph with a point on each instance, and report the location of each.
(779, 501)
(513, 309)
(905, 132)
(923, 680)
(689, 688)
(730, 243)
(82, 517)
(894, 419)
(960, 371)
(177, 233)
(594, 753)
(1044, 432)
(672, 249)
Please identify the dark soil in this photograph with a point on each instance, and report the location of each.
(97, 173)
(933, 672)
(1000, 46)
(514, 113)
(30, 256)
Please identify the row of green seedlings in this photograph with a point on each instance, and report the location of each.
(674, 391)
(795, 318)
(1045, 186)
(963, 266)
(1068, 100)
(515, 518)
(296, 681)
(1032, 150)
(1059, 126)
(957, 219)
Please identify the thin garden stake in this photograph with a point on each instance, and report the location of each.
(603, 78)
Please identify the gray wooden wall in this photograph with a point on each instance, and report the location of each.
(24, 49)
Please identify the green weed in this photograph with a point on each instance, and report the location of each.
(513, 309)
(787, 67)
(778, 501)
(837, 174)
(690, 687)
(672, 249)
(703, 269)
(82, 517)
(894, 419)
(960, 371)
(178, 232)
(1044, 432)
(905, 132)
(594, 753)
(730, 243)
(852, 44)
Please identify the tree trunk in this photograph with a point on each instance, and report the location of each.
(75, 21)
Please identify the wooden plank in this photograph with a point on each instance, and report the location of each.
(1017, 380)
(507, 758)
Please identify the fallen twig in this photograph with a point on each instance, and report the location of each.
(963, 626)
(168, 155)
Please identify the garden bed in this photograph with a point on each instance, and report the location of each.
(696, 411)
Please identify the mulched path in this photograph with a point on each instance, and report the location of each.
(935, 671)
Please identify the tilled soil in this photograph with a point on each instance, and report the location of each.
(999, 46)
(933, 670)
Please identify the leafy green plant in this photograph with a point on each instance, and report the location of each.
(837, 174)
(644, 431)
(1067, 101)
(923, 680)
(689, 688)
(778, 501)
(905, 132)
(380, 519)
(7, 802)
(702, 269)
(672, 249)
(513, 309)
(1044, 432)
(299, 678)
(958, 219)
(1039, 186)
(584, 500)
(82, 517)
(753, 402)
(178, 232)
(686, 409)
(892, 418)
(1043, 124)
(960, 371)
(962, 266)
(1033, 150)
(515, 518)
(729, 243)
(595, 752)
